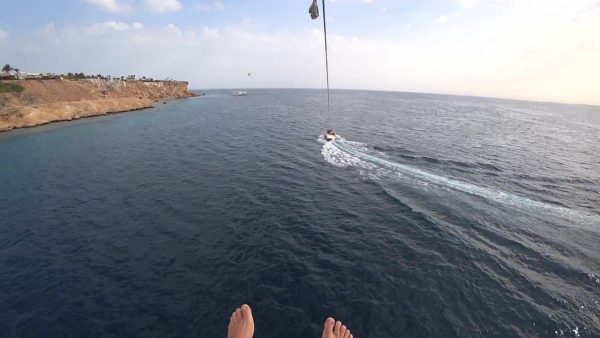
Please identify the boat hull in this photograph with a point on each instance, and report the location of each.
(329, 138)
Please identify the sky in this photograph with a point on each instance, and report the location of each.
(547, 50)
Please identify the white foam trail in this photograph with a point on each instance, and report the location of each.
(338, 158)
(354, 154)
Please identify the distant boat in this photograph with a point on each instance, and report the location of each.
(330, 135)
(240, 93)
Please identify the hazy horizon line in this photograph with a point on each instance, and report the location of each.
(532, 100)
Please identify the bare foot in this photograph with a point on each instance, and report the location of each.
(241, 323)
(333, 329)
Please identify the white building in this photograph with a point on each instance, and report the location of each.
(8, 74)
(24, 76)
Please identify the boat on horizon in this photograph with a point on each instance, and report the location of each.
(240, 93)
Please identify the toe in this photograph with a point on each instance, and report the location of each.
(337, 327)
(328, 327)
(343, 329)
(238, 314)
(347, 334)
(247, 312)
(232, 319)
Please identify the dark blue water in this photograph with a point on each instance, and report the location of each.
(435, 216)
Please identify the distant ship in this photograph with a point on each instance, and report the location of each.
(240, 93)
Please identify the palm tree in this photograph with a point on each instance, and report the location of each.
(7, 68)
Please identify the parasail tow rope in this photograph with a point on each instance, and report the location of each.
(314, 13)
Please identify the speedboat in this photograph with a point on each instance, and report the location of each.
(240, 93)
(330, 135)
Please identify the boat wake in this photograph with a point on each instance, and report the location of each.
(377, 165)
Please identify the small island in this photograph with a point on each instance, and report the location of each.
(33, 99)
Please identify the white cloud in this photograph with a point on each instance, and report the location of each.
(203, 6)
(442, 19)
(137, 25)
(102, 27)
(112, 5)
(163, 6)
(210, 33)
(468, 3)
(219, 5)
(174, 29)
(3, 34)
(210, 6)
(367, 1)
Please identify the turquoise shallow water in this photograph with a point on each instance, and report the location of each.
(434, 216)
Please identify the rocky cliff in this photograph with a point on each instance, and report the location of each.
(45, 101)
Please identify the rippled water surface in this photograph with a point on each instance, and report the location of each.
(434, 216)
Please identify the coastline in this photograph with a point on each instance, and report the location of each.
(47, 101)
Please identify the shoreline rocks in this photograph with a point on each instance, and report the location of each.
(47, 101)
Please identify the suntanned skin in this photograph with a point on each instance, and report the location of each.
(333, 329)
(241, 325)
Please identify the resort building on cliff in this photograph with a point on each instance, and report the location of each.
(29, 76)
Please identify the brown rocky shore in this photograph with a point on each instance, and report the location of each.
(45, 101)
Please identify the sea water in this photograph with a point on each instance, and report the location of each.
(433, 216)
